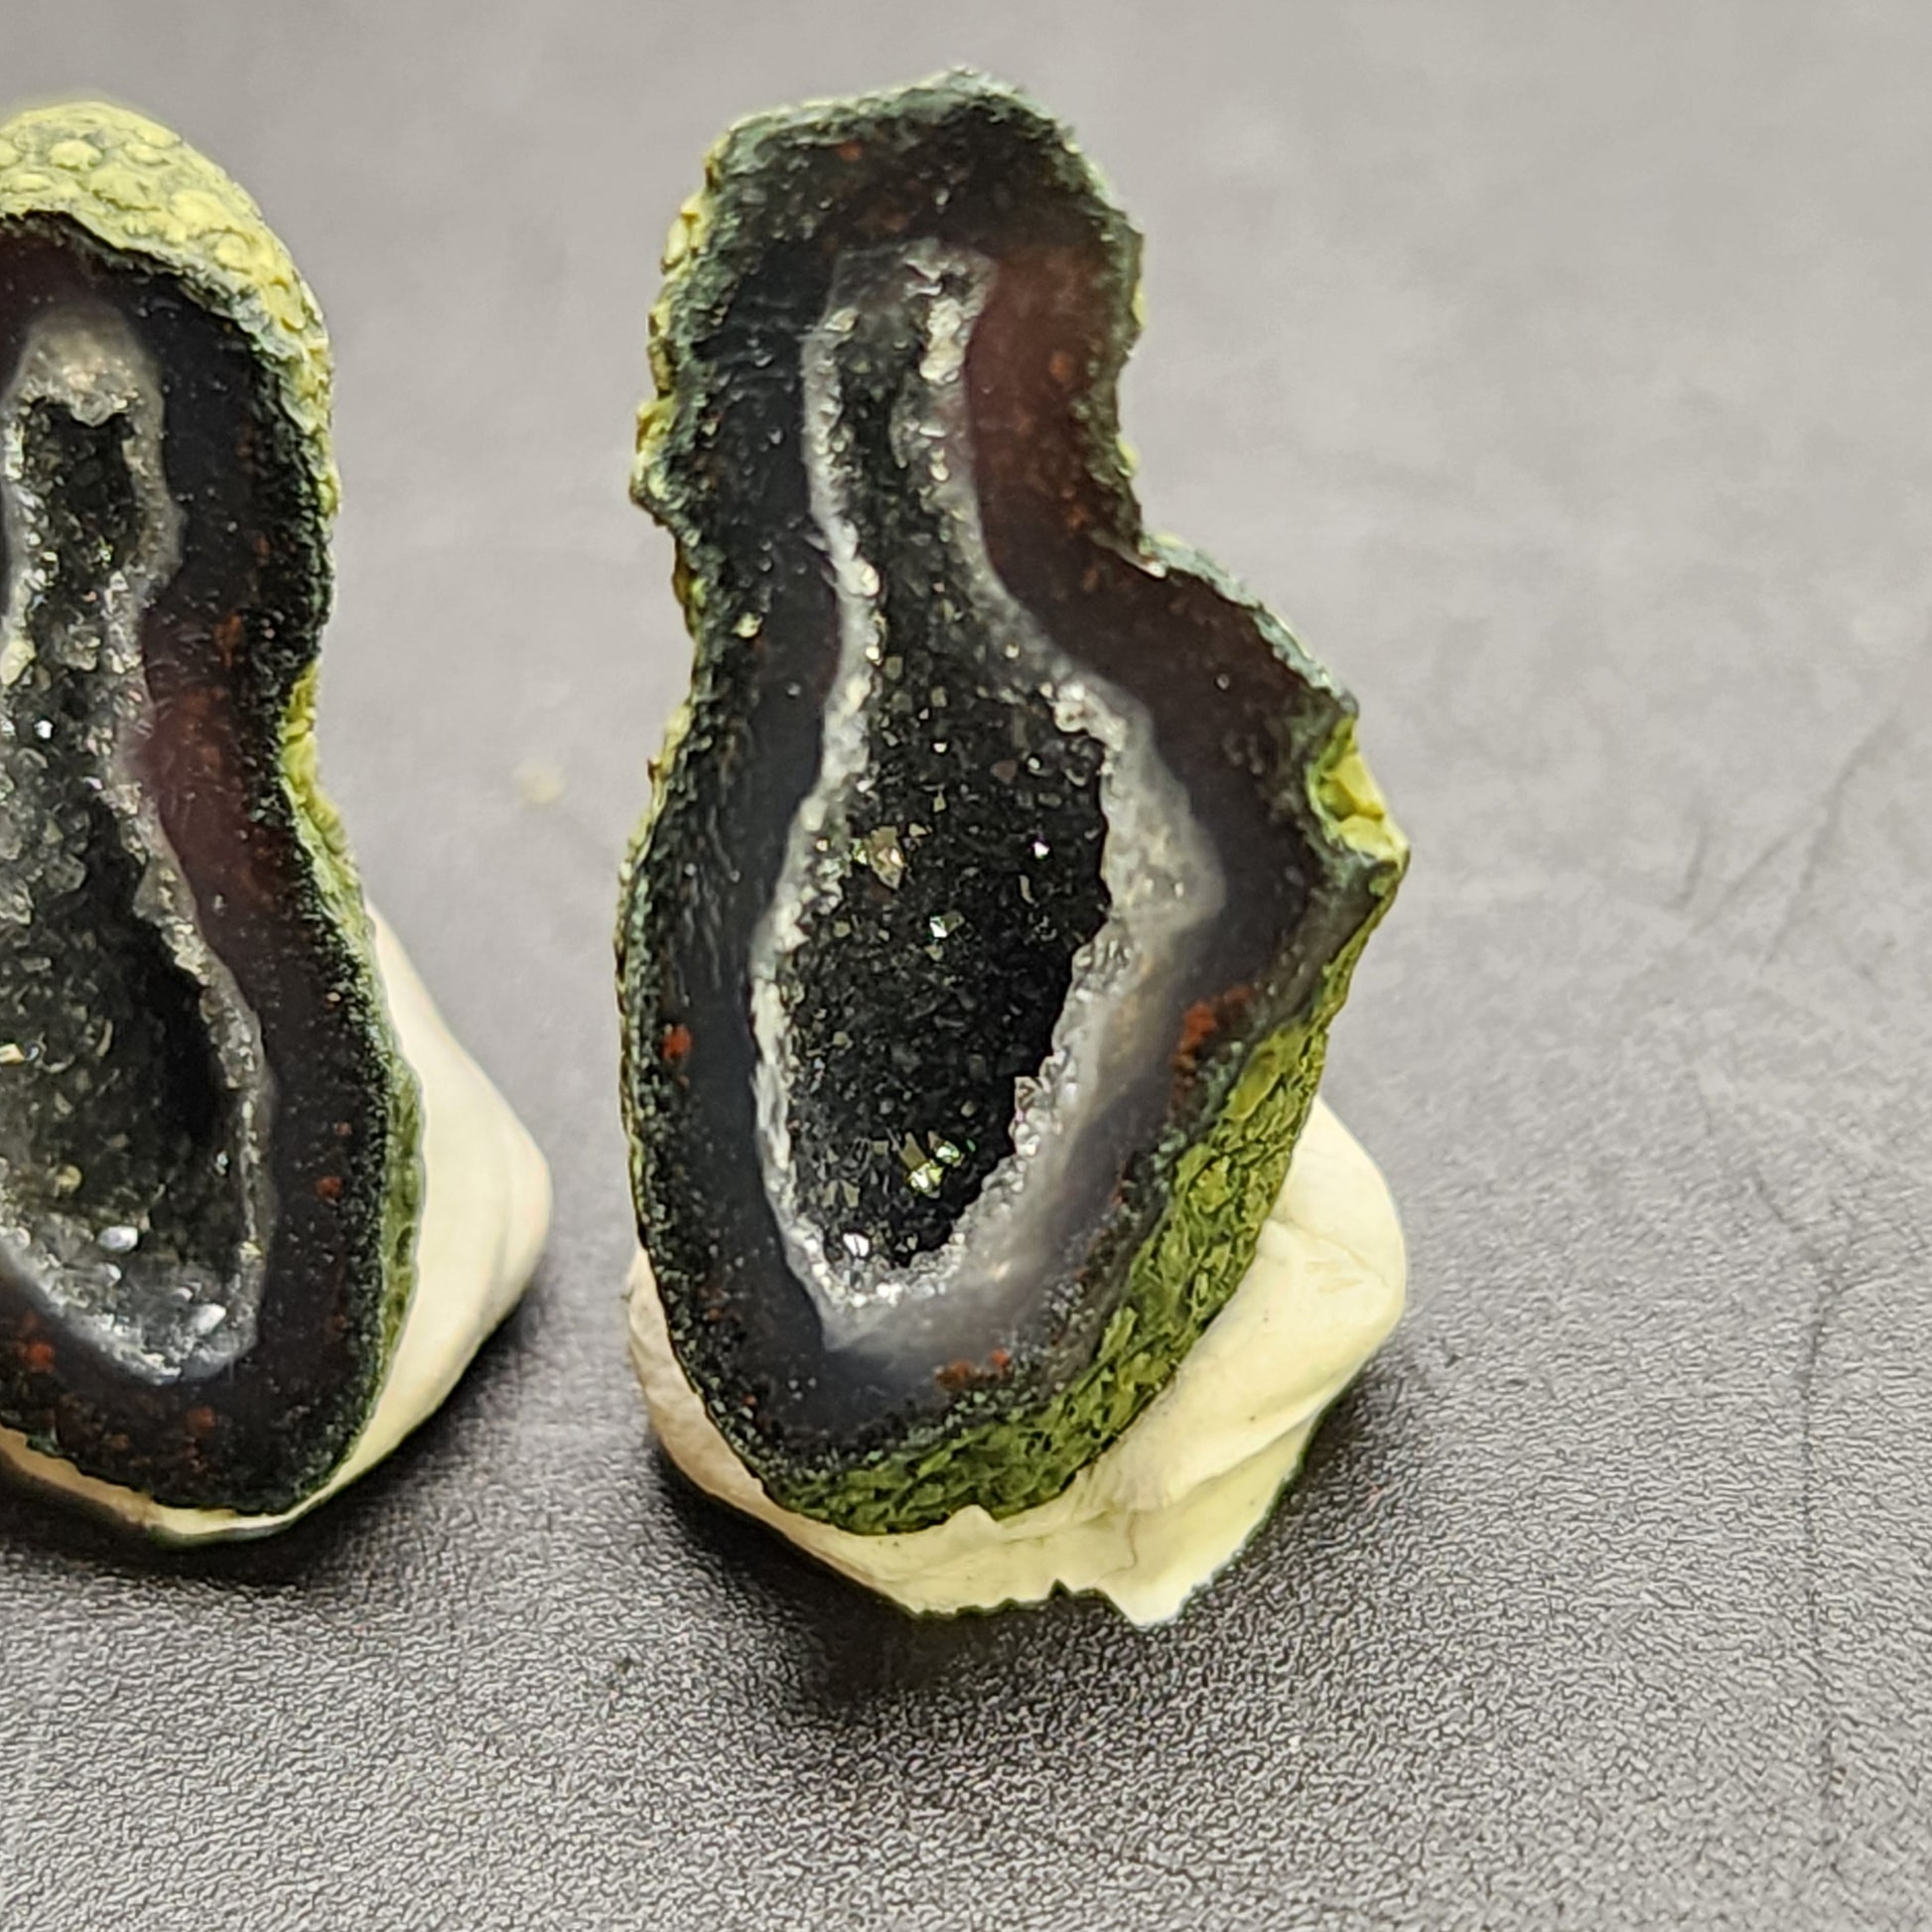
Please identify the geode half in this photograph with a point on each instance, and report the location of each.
(1006, 865)
(212, 1175)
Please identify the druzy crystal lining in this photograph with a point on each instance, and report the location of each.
(134, 1093)
(898, 325)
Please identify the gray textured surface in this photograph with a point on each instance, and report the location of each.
(1565, 373)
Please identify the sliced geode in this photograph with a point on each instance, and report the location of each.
(1006, 866)
(211, 1175)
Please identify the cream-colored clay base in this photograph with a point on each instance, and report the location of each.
(1148, 1522)
(485, 1212)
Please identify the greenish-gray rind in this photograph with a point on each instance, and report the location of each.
(1227, 1182)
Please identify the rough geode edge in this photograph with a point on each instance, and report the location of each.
(1176, 1496)
(1227, 1182)
(486, 1204)
(138, 189)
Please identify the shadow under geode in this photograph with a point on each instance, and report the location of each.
(845, 1646)
(850, 1649)
(328, 1546)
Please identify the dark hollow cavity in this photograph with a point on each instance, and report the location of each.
(966, 864)
(126, 1156)
(195, 1090)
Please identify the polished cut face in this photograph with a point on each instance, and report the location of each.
(1007, 866)
(204, 1154)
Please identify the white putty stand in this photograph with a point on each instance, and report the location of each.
(484, 1215)
(1152, 1520)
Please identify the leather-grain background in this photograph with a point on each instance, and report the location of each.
(1565, 375)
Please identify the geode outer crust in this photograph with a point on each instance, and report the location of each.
(110, 218)
(886, 357)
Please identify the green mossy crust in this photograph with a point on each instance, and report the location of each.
(145, 198)
(986, 1449)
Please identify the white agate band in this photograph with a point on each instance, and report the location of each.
(486, 1211)
(1155, 1517)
